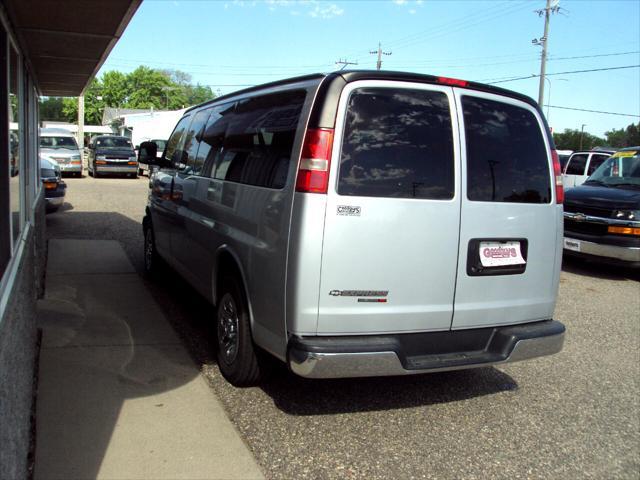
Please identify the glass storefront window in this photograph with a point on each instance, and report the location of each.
(15, 199)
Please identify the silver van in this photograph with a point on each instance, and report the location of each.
(364, 223)
(60, 145)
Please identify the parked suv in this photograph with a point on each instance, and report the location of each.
(60, 145)
(364, 224)
(111, 154)
(602, 216)
(582, 164)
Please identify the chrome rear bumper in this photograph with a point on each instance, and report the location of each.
(504, 345)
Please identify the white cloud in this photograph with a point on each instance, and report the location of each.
(325, 10)
(410, 4)
(312, 8)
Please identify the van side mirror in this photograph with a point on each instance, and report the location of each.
(147, 153)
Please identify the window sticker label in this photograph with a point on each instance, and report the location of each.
(497, 254)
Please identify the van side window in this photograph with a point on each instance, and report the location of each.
(259, 139)
(506, 155)
(397, 143)
(213, 137)
(596, 161)
(577, 164)
(191, 142)
(173, 152)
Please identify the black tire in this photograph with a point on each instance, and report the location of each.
(237, 355)
(153, 263)
(95, 171)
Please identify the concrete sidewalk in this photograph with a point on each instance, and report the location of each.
(118, 396)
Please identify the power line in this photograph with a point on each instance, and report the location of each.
(594, 56)
(563, 73)
(454, 26)
(594, 111)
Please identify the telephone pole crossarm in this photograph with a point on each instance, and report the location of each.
(344, 63)
(379, 52)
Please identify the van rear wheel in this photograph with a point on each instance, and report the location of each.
(237, 356)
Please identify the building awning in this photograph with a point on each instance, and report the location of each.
(65, 42)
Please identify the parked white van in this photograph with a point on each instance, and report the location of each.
(581, 165)
(60, 145)
(364, 223)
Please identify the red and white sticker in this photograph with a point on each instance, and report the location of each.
(498, 254)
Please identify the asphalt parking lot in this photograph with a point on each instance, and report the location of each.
(573, 415)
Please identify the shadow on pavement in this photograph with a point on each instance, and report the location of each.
(298, 396)
(598, 269)
(192, 317)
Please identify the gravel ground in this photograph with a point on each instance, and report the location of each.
(573, 415)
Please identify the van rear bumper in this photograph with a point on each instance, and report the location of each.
(412, 353)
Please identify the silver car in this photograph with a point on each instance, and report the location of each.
(364, 223)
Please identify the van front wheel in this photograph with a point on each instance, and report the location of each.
(237, 357)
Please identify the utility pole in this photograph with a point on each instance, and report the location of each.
(344, 63)
(581, 134)
(379, 52)
(552, 7)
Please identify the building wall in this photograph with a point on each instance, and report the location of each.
(17, 355)
(22, 251)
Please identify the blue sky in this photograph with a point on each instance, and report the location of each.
(229, 44)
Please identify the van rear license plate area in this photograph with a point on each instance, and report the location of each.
(497, 256)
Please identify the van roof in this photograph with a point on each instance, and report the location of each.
(338, 79)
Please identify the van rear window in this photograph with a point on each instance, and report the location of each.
(397, 143)
(506, 154)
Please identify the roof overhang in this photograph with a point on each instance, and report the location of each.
(65, 42)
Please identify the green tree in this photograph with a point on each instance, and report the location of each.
(143, 88)
(93, 105)
(183, 93)
(624, 137)
(51, 109)
(146, 88)
(571, 139)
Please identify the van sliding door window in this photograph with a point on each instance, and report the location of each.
(506, 154)
(191, 165)
(397, 143)
(213, 137)
(173, 152)
(259, 140)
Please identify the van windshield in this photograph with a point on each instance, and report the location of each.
(58, 142)
(620, 170)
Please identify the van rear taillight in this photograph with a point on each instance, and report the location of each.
(454, 82)
(557, 171)
(313, 174)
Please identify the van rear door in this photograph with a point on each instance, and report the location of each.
(392, 221)
(511, 225)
